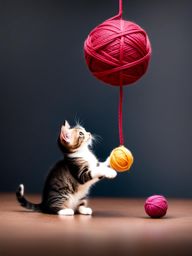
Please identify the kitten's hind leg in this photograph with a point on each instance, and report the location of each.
(66, 212)
(83, 209)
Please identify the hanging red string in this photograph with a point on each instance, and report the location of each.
(120, 116)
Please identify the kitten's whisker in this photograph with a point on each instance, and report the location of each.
(78, 122)
(97, 138)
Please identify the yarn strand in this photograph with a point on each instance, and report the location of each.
(119, 15)
(120, 116)
(120, 8)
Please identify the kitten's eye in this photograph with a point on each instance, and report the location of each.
(81, 134)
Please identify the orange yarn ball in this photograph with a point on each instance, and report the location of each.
(121, 159)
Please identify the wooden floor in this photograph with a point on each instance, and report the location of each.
(117, 227)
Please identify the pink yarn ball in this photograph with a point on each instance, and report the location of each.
(156, 206)
(117, 52)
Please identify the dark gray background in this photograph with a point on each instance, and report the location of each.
(44, 80)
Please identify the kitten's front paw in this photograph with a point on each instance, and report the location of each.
(110, 173)
(66, 212)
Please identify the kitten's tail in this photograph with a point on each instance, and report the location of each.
(24, 202)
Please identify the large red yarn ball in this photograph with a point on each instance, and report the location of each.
(156, 206)
(117, 52)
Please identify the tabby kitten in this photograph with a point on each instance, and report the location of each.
(68, 183)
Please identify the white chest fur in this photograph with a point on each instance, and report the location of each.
(87, 155)
(83, 190)
(75, 199)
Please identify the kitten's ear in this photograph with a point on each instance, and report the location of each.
(65, 136)
(66, 124)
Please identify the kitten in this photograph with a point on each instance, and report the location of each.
(68, 183)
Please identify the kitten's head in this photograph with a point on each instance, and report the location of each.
(72, 139)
